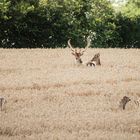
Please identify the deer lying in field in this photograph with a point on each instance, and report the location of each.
(2, 102)
(95, 60)
(78, 53)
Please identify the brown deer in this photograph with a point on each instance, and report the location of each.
(124, 101)
(79, 53)
(95, 60)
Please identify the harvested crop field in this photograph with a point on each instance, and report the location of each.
(51, 98)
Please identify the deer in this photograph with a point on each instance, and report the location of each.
(95, 60)
(124, 101)
(78, 53)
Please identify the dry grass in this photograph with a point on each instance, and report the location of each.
(50, 98)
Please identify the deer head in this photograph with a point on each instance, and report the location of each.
(78, 52)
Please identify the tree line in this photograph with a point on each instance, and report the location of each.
(50, 23)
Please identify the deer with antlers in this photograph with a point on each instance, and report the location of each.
(78, 53)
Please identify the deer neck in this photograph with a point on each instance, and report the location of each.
(79, 61)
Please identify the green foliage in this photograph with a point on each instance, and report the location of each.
(50, 23)
(128, 22)
(4, 7)
(132, 9)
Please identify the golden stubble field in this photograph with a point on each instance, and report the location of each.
(50, 98)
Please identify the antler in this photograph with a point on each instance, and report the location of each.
(88, 44)
(69, 44)
(81, 52)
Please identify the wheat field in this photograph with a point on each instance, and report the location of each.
(51, 98)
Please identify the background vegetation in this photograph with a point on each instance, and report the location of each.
(49, 23)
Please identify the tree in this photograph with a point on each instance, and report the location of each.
(129, 24)
(50, 23)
